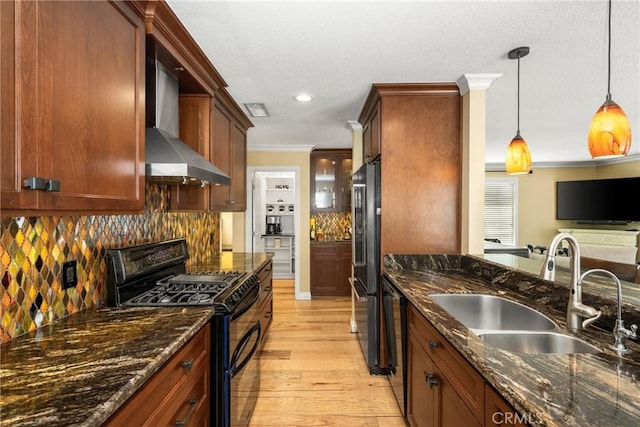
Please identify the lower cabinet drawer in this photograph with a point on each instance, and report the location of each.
(169, 393)
(181, 407)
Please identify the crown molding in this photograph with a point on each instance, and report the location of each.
(499, 167)
(294, 148)
(467, 82)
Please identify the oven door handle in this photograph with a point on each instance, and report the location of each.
(358, 289)
(235, 367)
(247, 305)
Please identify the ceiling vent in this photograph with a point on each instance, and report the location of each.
(256, 109)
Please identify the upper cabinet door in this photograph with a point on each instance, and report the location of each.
(195, 131)
(331, 180)
(229, 153)
(78, 123)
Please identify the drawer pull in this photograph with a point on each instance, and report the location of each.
(183, 422)
(433, 345)
(188, 365)
(431, 380)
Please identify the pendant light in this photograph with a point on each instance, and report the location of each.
(518, 160)
(610, 132)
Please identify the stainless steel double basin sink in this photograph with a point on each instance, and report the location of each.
(509, 325)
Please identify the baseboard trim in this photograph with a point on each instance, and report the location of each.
(303, 296)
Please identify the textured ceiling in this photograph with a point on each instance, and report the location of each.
(269, 51)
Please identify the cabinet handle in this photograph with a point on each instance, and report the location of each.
(52, 185)
(433, 345)
(188, 365)
(183, 422)
(232, 202)
(431, 380)
(38, 183)
(35, 183)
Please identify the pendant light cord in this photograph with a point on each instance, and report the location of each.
(609, 58)
(518, 132)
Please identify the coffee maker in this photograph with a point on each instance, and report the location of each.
(273, 225)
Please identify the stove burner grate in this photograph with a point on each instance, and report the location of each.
(198, 288)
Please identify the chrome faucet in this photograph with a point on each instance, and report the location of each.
(620, 333)
(576, 310)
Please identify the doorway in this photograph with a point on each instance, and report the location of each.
(272, 222)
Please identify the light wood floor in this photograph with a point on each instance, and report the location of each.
(313, 372)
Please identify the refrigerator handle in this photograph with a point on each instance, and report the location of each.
(358, 289)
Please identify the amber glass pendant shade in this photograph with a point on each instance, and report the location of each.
(610, 132)
(518, 161)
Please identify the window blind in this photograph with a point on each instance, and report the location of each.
(500, 210)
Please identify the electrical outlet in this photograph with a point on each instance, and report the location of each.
(69, 275)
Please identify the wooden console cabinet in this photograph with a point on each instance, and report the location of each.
(177, 393)
(443, 389)
(330, 269)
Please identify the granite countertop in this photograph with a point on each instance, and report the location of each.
(599, 389)
(331, 242)
(81, 369)
(234, 261)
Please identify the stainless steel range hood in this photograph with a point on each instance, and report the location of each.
(169, 160)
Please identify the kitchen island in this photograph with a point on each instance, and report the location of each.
(83, 368)
(546, 389)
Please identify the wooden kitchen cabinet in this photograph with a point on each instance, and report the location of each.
(72, 107)
(498, 412)
(229, 153)
(331, 172)
(178, 392)
(416, 127)
(330, 269)
(371, 134)
(443, 389)
(414, 131)
(265, 275)
(195, 131)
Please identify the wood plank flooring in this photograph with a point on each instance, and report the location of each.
(313, 372)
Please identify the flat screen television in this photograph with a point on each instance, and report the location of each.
(613, 201)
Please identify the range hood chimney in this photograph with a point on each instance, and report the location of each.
(168, 159)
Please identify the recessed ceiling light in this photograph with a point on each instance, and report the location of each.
(256, 109)
(303, 97)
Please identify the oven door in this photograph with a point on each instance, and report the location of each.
(242, 375)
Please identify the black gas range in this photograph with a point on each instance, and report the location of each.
(154, 275)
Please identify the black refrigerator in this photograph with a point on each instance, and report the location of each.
(366, 262)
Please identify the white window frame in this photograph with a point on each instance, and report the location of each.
(502, 219)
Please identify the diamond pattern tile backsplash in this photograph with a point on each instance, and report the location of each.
(33, 249)
(334, 225)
